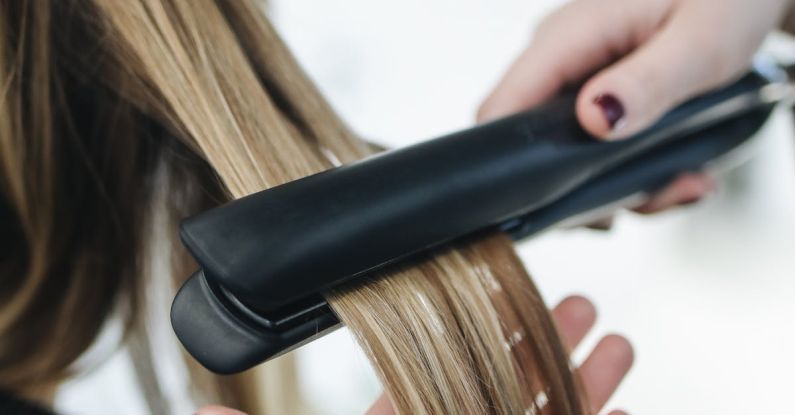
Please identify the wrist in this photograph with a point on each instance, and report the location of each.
(788, 22)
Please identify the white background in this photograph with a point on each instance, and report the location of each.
(706, 294)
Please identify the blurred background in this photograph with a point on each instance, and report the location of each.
(706, 293)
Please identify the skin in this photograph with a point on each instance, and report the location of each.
(601, 372)
(650, 54)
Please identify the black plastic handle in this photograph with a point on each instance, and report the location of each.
(278, 246)
(643, 175)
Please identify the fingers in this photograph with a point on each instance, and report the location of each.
(686, 189)
(382, 406)
(604, 369)
(574, 316)
(677, 63)
(610, 360)
(218, 410)
(573, 42)
(601, 372)
(602, 224)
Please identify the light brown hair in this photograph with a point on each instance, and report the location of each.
(120, 117)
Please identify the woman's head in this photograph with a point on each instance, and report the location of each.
(121, 117)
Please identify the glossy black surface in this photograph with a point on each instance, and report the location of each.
(266, 257)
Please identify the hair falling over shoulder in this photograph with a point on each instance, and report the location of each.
(119, 118)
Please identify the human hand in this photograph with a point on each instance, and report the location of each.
(601, 372)
(639, 59)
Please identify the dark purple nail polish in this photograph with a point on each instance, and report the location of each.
(612, 108)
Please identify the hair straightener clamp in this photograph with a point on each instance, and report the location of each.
(266, 258)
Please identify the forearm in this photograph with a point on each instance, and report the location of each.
(788, 24)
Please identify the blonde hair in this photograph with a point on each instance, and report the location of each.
(462, 330)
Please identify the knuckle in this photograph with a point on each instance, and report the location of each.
(649, 90)
(715, 62)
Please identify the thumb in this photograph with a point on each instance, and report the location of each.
(677, 63)
(570, 44)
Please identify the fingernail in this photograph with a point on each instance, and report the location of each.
(690, 201)
(612, 109)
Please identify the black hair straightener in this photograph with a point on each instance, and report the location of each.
(266, 258)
